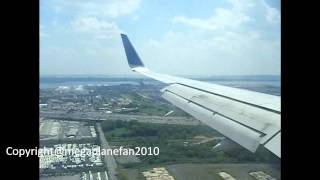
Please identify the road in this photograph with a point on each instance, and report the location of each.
(108, 159)
(95, 116)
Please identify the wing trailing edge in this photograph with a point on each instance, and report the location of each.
(246, 117)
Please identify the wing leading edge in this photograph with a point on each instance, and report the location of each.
(246, 117)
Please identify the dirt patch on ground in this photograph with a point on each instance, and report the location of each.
(210, 171)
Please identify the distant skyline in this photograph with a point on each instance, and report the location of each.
(206, 38)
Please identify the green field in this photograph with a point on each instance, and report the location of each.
(177, 144)
(152, 106)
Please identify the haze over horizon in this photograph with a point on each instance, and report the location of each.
(207, 38)
(136, 75)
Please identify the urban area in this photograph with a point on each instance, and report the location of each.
(131, 113)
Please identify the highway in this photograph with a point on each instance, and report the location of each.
(101, 116)
(108, 159)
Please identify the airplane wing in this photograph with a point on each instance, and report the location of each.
(248, 118)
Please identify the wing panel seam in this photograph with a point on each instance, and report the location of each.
(271, 137)
(190, 101)
(254, 105)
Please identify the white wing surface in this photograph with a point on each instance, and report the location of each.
(246, 117)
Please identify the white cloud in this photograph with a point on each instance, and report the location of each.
(99, 28)
(241, 12)
(242, 38)
(94, 17)
(272, 14)
(231, 53)
(221, 19)
(100, 8)
(238, 40)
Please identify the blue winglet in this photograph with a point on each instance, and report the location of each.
(132, 56)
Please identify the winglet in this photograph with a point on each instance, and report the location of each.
(132, 56)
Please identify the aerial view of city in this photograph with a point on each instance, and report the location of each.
(160, 90)
(109, 113)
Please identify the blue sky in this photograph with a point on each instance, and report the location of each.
(180, 37)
